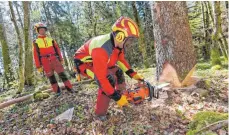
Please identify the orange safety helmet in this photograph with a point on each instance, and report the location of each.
(38, 26)
(127, 27)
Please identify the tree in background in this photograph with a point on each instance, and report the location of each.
(21, 50)
(173, 40)
(141, 42)
(197, 25)
(218, 42)
(206, 27)
(17, 6)
(8, 73)
(148, 30)
(73, 23)
(28, 47)
(201, 19)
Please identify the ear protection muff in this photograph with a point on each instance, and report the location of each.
(120, 36)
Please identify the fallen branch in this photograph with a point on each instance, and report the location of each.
(214, 126)
(20, 99)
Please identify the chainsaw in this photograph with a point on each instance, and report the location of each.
(143, 91)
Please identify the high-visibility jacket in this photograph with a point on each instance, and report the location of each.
(102, 53)
(44, 46)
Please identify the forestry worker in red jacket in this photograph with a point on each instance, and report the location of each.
(102, 58)
(47, 57)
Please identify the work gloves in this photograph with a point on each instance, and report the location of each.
(77, 75)
(138, 77)
(120, 99)
(40, 69)
(62, 62)
(78, 78)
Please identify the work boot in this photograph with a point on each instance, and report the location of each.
(58, 93)
(101, 118)
(69, 90)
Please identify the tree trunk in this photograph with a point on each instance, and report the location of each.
(215, 54)
(71, 64)
(19, 16)
(205, 48)
(149, 31)
(175, 55)
(222, 38)
(223, 45)
(95, 26)
(208, 40)
(66, 61)
(118, 10)
(28, 47)
(21, 50)
(226, 5)
(141, 42)
(8, 73)
(227, 19)
(210, 10)
(48, 19)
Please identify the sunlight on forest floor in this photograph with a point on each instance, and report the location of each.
(171, 113)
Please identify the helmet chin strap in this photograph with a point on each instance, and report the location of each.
(124, 45)
(42, 34)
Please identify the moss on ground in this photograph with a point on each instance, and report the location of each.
(40, 95)
(216, 67)
(203, 119)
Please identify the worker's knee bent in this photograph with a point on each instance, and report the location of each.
(111, 80)
(63, 76)
(52, 79)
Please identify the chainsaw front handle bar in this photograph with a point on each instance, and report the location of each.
(153, 93)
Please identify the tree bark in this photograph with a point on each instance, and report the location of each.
(66, 61)
(19, 16)
(28, 47)
(149, 31)
(175, 55)
(226, 5)
(208, 40)
(215, 54)
(48, 19)
(141, 42)
(222, 38)
(205, 48)
(8, 73)
(210, 10)
(223, 45)
(21, 50)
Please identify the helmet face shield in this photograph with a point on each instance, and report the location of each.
(39, 26)
(41, 30)
(129, 41)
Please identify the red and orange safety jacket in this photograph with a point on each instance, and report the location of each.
(102, 53)
(44, 46)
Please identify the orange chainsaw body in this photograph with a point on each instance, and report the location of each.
(140, 93)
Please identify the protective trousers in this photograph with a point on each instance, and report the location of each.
(117, 80)
(115, 76)
(51, 64)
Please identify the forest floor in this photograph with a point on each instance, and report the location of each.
(168, 116)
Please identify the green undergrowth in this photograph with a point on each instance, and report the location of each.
(202, 119)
